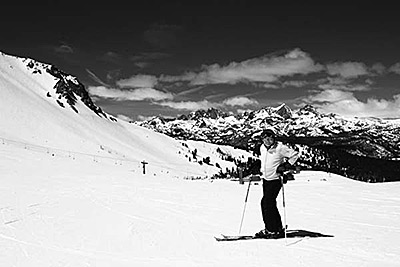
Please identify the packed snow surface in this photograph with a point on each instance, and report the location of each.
(58, 211)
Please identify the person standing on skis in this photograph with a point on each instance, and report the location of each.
(272, 155)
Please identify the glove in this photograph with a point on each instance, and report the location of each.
(286, 170)
(287, 176)
(285, 167)
(255, 178)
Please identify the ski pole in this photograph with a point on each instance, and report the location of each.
(284, 209)
(244, 208)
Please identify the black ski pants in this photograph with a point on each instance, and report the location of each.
(270, 212)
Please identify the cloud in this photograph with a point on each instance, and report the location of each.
(345, 87)
(395, 68)
(94, 77)
(331, 96)
(378, 68)
(124, 118)
(346, 104)
(340, 83)
(138, 81)
(188, 105)
(142, 65)
(240, 101)
(294, 83)
(145, 56)
(138, 94)
(144, 118)
(146, 59)
(190, 91)
(266, 69)
(113, 75)
(187, 77)
(64, 49)
(347, 70)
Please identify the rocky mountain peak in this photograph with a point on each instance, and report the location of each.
(308, 110)
(284, 111)
(211, 113)
(67, 86)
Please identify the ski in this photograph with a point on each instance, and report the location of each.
(289, 234)
(240, 237)
(235, 237)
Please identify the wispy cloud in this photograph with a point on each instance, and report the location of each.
(124, 118)
(138, 94)
(64, 49)
(331, 96)
(144, 56)
(190, 91)
(240, 101)
(395, 68)
(294, 83)
(138, 81)
(146, 59)
(95, 78)
(345, 87)
(378, 68)
(347, 69)
(188, 105)
(144, 118)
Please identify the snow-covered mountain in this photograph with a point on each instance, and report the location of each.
(46, 109)
(355, 147)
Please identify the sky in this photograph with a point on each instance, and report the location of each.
(173, 57)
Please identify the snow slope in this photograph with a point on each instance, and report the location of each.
(65, 212)
(30, 115)
(73, 193)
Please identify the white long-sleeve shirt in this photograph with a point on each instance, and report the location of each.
(273, 157)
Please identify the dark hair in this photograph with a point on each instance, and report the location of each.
(268, 133)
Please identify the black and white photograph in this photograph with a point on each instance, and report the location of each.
(199, 133)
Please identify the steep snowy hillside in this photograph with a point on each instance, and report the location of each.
(360, 148)
(46, 109)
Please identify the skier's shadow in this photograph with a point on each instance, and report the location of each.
(304, 233)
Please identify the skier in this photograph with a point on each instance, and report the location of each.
(272, 155)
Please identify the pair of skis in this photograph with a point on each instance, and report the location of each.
(289, 234)
(241, 237)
